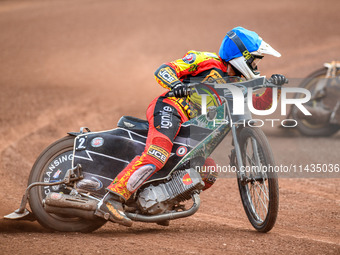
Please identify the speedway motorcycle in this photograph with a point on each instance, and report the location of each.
(324, 106)
(69, 178)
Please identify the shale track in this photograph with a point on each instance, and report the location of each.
(67, 64)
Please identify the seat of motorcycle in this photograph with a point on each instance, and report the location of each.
(134, 124)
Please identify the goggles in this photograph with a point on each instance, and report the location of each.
(255, 62)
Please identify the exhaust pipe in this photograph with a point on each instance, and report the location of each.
(167, 216)
(63, 204)
(89, 215)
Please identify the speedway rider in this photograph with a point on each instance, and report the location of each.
(239, 55)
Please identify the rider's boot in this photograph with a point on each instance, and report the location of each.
(111, 208)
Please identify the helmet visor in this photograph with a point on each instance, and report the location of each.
(265, 48)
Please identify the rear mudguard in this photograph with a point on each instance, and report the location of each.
(103, 155)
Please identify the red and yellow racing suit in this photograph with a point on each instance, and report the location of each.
(166, 114)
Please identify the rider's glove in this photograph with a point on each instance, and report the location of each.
(278, 79)
(180, 90)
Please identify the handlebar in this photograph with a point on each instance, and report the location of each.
(170, 94)
(266, 84)
(269, 84)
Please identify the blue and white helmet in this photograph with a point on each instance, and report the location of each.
(244, 49)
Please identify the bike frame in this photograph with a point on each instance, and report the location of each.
(332, 69)
(203, 149)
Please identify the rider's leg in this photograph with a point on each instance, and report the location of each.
(164, 117)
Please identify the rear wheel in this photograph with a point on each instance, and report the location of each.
(260, 194)
(308, 127)
(51, 166)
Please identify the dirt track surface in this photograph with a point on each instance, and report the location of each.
(66, 64)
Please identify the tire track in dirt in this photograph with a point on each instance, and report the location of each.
(318, 188)
(78, 44)
(50, 116)
(237, 224)
(19, 132)
(36, 133)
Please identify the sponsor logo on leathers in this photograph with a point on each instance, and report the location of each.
(158, 153)
(166, 117)
(190, 58)
(167, 75)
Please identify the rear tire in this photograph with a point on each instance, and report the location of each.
(306, 127)
(260, 198)
(52, 165)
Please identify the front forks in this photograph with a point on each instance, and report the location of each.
(237, 151)
(236, 159)
(241, 173)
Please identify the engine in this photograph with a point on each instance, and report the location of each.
(160, 198)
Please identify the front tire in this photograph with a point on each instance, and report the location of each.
(260, 196)
(51, 166)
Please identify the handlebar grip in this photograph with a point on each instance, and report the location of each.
(170, 94)
(270, 80)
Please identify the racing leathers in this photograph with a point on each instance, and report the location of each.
(166, 114)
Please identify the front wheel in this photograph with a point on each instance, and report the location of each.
(260, 193)
(51, 166)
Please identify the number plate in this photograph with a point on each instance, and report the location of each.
(81, 143)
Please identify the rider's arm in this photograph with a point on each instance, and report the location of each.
(169, 74)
